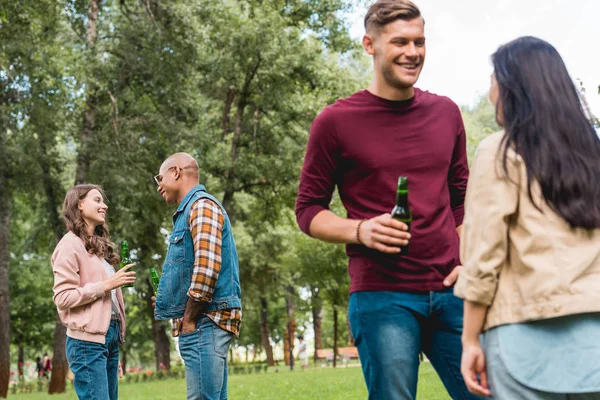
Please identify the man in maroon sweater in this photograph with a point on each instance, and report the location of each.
(400, 304)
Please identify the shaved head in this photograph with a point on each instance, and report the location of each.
(182, 160)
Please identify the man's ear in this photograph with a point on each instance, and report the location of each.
(368, 43)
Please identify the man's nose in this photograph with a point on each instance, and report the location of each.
(411, 50)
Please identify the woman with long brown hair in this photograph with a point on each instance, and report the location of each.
(87, 293)
(531, 237)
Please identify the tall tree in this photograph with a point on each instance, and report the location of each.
(89, 119)
(4, 262)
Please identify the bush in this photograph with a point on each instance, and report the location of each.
(161, 375)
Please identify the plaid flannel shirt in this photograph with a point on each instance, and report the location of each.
(206, 221)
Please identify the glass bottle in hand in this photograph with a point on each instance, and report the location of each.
(401, 211)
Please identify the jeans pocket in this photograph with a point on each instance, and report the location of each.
(188, 340)
(222, 339)
(71, 351)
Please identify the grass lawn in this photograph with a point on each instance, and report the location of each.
(316, 383)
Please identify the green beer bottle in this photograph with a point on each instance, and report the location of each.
(155, 279)
(401, 211)
(125, 260)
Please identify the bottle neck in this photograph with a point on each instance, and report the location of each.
(402, 198)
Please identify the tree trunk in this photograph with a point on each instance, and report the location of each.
(226, 110)
(59, 362)
(350, 337)
(335, 335)
(4, 289)
(60, 366)
(162, 345)
(89, 119)
(290, 307)
(235, 142)
(124, 361)
(264, 331)
(317, 314)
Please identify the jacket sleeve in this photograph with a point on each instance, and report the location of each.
(491, 202)
(68, 292)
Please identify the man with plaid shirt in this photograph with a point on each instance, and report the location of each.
(199, 289)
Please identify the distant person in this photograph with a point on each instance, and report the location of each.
(39, 367)
(303, 353)
(47, 365)
(531, 237)
(87, 294)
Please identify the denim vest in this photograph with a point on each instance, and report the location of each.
(179, 264)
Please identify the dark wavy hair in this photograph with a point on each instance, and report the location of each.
(99, 243)
(545, 124)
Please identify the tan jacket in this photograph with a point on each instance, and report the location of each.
(524, 264)
(83, 306)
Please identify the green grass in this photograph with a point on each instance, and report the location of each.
(316, 383)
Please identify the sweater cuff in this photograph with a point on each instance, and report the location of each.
(474, 290)
(96, 289)
(306, 216)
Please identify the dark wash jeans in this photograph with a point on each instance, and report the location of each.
(391, 329)
(96, 366)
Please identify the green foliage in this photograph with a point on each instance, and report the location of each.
(480, 121)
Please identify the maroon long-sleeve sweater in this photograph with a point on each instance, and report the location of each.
(362, 144)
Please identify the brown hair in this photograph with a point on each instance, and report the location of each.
(382, 12)
(99, 243)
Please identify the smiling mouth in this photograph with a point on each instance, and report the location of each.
(408, 66)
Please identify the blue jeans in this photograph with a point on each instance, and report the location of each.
(204, 352)
(391, 329)
(96, 366)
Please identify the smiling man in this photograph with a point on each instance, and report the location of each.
(400, 304)
(200, 285)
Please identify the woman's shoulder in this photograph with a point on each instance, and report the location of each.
(71, 241)
(491, 142)
(493, 147)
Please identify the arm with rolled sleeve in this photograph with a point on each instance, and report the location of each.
(458, 173)
(68, 292)
(491, 201)
(318, 177)
(206, 225)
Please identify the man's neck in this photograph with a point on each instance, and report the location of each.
(185, 190)
(381, 89)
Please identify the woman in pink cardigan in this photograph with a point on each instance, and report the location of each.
(87, 294)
